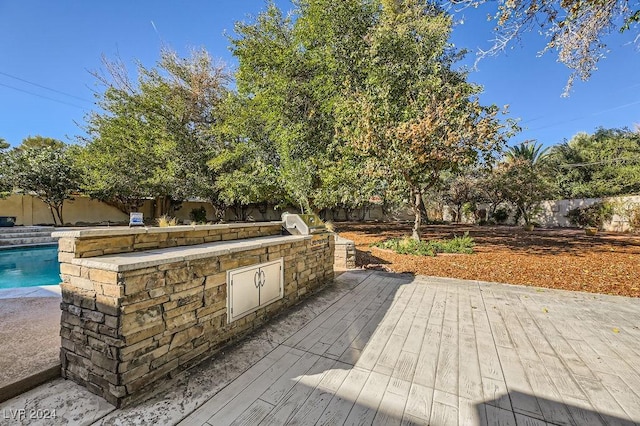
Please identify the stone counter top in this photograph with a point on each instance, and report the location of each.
(144, 259)
(125, 230)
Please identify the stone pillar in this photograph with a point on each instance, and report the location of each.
(345, 253)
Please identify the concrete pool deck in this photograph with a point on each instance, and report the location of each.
(380, 348)
(30, 336)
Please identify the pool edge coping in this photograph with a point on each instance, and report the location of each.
(40, 291)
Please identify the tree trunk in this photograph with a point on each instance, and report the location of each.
(59, 212)
(417, 197)
(219, 210)
(53, 215)
(423, 206)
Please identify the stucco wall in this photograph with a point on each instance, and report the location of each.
(554, 212)
(29, 210)
(83, 210)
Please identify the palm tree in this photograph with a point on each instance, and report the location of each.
(529, 151)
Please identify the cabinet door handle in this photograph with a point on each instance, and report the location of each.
(263, 278)
(256, 280)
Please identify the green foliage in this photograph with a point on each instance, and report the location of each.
(593, 216)
(606, 163)
(198, 215)
(415, 112)
(520, 180)
(338, 86)
(349, 182)
(286, 85)
(37, 142)
(462, 192)
(528, 151)
(47, 171)
(634, 217)
(463, 244)
(154, 137)
(500, 215)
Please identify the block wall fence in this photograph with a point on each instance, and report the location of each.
(140, 305)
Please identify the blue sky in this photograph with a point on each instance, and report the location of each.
(55, 44)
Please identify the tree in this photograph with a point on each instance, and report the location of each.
(45, 170)
(525, 185)
(155, 137)
(528, 151)
(292, 74)
(605, 163)
(462, 189)
(349, 183)
(37, 142)
(575, 28)
(415, 112)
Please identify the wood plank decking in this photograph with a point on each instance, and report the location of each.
(389, 349)
(398, 349)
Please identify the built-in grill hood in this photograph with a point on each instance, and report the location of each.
(302, 224)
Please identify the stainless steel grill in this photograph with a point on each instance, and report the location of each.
(303, 224)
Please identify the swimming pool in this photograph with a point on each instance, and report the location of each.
(29, 266)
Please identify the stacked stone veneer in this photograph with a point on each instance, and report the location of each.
(130, 319)
(345, 253)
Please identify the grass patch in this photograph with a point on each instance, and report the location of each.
(406, 245)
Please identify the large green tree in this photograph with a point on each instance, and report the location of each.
(605, 163)
(292, 75)
(415, 112)
(155, 136)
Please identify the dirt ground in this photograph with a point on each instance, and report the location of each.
(607, 263)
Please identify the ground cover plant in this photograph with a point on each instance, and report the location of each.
(553, 258)
(458, 244)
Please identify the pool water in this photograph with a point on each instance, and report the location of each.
(28, 267)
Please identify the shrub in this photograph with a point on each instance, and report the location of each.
(463, 244)
(500, 215)
(634, 217)
(594, 215)
(164, 221)
(198, 215)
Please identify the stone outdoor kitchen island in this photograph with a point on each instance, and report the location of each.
(142, 304)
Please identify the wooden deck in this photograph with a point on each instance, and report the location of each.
(398, 349)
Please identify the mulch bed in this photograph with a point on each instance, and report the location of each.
(567, 259)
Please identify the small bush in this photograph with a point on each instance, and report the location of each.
(500, 215)
(463, 244)
(198, 215)
(164, 221)
(634, 217)
(594, 215)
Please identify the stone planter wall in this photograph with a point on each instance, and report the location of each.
(132, 319)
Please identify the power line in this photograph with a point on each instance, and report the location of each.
(44, 87)
(595, 163)
(41, 96)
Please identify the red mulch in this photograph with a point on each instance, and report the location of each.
(567, 259)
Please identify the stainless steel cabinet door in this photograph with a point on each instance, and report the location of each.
(244, 293)
(270, 282)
